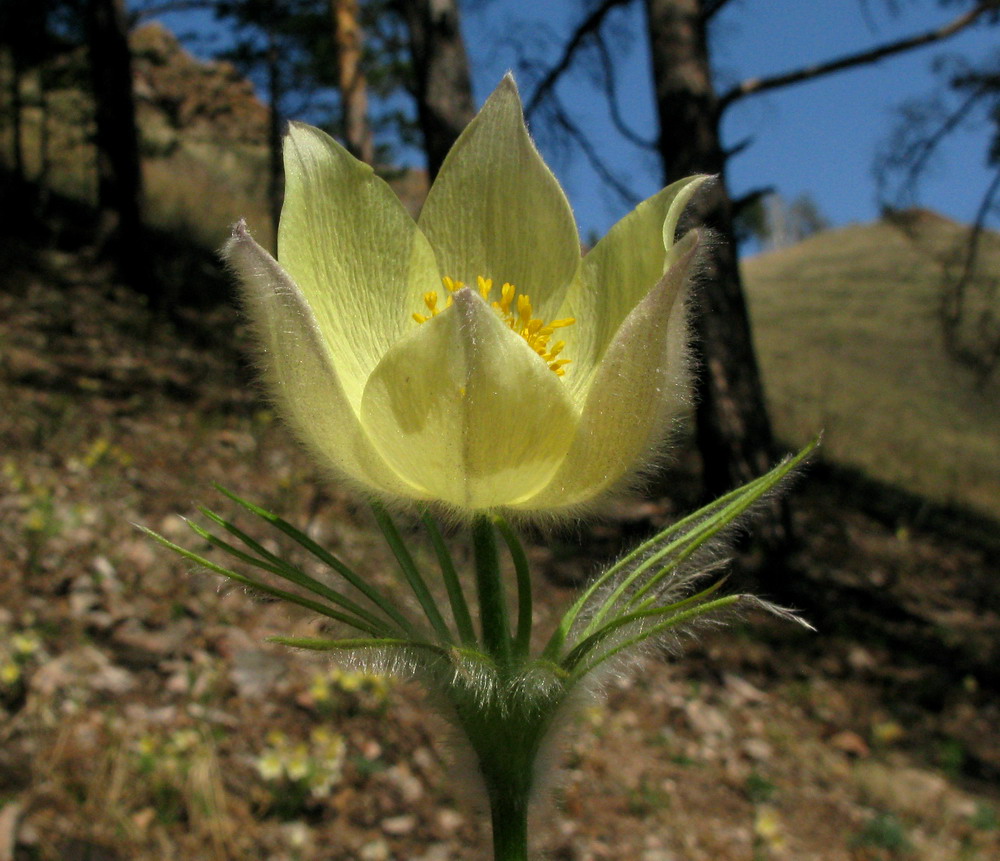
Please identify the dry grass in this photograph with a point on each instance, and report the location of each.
(201, 189)
(849, 341)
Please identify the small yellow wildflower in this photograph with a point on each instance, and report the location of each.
(25, 644)
(10, 673)
(270, 765)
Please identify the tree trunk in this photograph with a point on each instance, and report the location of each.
(44, 141)
(733, 429)
(441, 74)
(119, 175)
(351, 80)
(16, 114)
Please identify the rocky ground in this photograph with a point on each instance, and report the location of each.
(142, 715)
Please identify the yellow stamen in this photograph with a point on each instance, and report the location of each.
(524, 308)
(507, 293)
(535, 331)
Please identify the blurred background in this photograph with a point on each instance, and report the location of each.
(852, 288)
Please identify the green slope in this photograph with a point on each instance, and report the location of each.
(849, 341)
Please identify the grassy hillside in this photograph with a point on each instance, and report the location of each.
(849, 341)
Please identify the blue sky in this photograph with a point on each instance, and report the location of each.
(819, 137)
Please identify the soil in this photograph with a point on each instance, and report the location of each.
(144, 702)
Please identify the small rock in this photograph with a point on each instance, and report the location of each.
(435, 852)
(106, 572)
(424, 759)
(860, 659)
(450, 820)
(140, 554)
(141, 819)
(741, 691)
(627, 718)
(911, 791)
(850, 743)
(297, 834)
(707, 720)
(83, 597)
(758, 749)
(85, 668)
(377, 850)
(202, 714)
(399, 825)
(140, 646)
(370, 749)
(241, 442)
(255, 672)
(230, 640)
(407, 783)
(173, 527)
(9, 817)
(138, 713)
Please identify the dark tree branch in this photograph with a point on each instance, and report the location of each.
(983, 354)
(711, 8)
(611, 93)
(739, 147)
(914, 144)
(630, 198)
(752, 86)
(591, 24)
(168, 6)
(926, 148)
(744, 202)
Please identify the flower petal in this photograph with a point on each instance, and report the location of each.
(355, 253)
(298, 369)
(619, 271)
(467, 411)
(497, 211)
(637, 385)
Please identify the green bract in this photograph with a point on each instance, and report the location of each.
(461, 409)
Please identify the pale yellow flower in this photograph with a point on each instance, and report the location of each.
(270, 766)
(538, 387)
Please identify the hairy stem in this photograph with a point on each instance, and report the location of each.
(493, 615)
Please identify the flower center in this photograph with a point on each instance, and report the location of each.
(515, 310)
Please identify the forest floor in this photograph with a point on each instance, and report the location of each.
(142, 715)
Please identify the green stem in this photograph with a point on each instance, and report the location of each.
(506, 732)
(509, 814)
(410, 571)
(489, 584)
(456, 595)
(522, 570)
